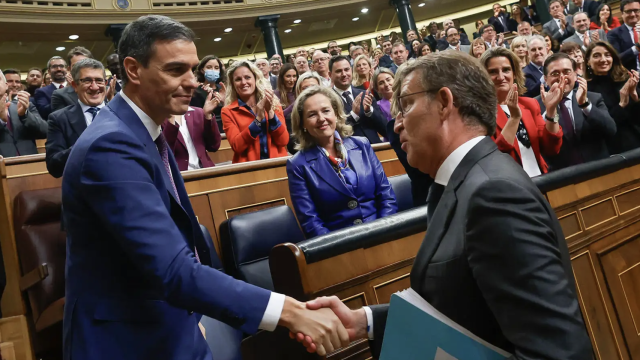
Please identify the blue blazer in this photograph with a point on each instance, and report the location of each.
(321, 200)
(621, 40)
(43, 100)
(134, 288)
(532, 78)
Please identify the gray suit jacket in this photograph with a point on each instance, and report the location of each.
(514, 289)
(25, 131)
(552, 28)
(62, 98)
(463, 48)
(576, 39)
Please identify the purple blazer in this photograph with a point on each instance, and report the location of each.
(204, 134)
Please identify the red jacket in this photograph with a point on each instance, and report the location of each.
(614, 24)
(204, 134)
(541, 139)
(236, 121)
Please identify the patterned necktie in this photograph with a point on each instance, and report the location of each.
(565, 119)
(93, 111)
(163, 149)
(347, 99)
(61, 87)
(9, 125)
(433, 198)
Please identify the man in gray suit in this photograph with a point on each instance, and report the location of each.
(582, 35)
(66, 96)
(453, 38)
(560, 26)
(20, 124)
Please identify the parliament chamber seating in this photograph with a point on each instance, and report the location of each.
(247, 240)
(401, 186)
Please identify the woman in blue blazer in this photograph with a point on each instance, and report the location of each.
(335, 181)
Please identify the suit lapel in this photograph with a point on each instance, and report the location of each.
(190, 122)
(445, 210)
(355, 159)
(325, 171)
(578, 116)
(77, 120)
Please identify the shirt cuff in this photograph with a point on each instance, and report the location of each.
(634, 49)
(272, 314)
(369, 113)
(274, 123)
(369, 313)
(561, 31)
(254, 129)
(354, 116)
(586, 111)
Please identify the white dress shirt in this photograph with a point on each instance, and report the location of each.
(442, 177)
(276, 301)
(528, 157)
(194, 161)
(88, 118)
(633, 48)
(355, 116)
(325, 81)
(64, 84)
(559, 23)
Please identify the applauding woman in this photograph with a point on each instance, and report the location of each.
(335, 181)
(604, 19)
(363, 72)
(252, 115)
(521, 131)
(383, 85)
(287, 79)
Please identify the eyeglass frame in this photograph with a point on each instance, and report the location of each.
(432, 91)
(57, 66)
(90, 81)
(565, 72)
(630, 11)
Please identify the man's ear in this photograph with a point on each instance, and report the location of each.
(444, 99)
(131, 68)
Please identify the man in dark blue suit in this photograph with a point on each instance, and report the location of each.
(135, 280)
(385, 60)
(534, 71)
(363, 113)
(500, 19)
(113, 64)
(58, 72)
(587, 6)
(624, 38)
(66, 125)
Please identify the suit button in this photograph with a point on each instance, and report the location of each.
(190, 312)
(352, 204)
(357, 222)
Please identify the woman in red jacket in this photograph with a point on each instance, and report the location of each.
(604, 20)
(252, 115)
(521, 131)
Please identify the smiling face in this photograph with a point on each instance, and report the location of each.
(90, 92)
(13, 82)
(537, 52)
(605, 12)
(302, 65)
(341, 74)
(524, 29)
(275, 66)
(557, 68)
(384, 85)
(386, 47)
(631, 14)
(581, 23)
(601, 60)
(501, 73)
(290, 78)
(478, 49)
(426, 50)
(412, 35)
(362, 67)
(244, 82)
(415, 44)
(58, 70)
(319, 118)
(453, 38)
(521, 50)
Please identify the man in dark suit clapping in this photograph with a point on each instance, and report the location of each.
(494, 258)
(66, 125)
(625, 38)
(66, 96)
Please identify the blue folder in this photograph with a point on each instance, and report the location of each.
(416, 330)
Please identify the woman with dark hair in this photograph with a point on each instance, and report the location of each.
(291, 59)
(479, 24)
(46, 78)
(285, 91)
(415, 44)
(604, 19)
(424, 49)
(211, 77)
(521, 131)
(619, 89)
(552, 44)
(576, 53)
(517, 16)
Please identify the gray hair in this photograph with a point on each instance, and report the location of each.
(139, 38)
(87, 63)
(380, 71)
(261, 60)
(474, 94)
(535, 37)
(55, 58)
(306, 141)
(354, 48)
(305, 76)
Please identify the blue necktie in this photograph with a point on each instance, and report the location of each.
(93, 111)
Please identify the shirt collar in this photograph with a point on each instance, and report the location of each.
(153, 128)
(541, 68)
(57, 85)
(453, 160)
(569, 96)
(340, 92)
(629, 28)
(86, 107)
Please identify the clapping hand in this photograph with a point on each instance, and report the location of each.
(111, 91)
(629, 90)
(563, 21)
(68, 78)
(500, 39)
(356, 105)
(213, 100)
(3, 105)
(512, 103)
(552, 98)
(23, 102)
(367, 101)
(581, 93)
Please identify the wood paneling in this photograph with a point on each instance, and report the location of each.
(386, 289)
(598, 213)
(628, 200)
(570, 224)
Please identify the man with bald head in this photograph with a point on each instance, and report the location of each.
(320, 64)
(265, 68)
(302, 52)
(443, 44)
(525, 29)
(301, 64)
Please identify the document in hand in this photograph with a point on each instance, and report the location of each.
(416, 330)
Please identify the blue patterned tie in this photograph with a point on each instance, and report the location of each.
(93, 111)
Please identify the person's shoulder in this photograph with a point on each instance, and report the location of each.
(64, 112)
(42, 90)
(298, 159)
(357, 141)
(497, 168)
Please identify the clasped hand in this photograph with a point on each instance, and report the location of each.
(265, 104)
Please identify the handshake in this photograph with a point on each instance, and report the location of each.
(324, 324)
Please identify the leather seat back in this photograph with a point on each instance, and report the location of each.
(246, 241)
(401, 185)
(215, 259)
(36, 221)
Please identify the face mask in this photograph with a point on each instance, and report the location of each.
(212, 75)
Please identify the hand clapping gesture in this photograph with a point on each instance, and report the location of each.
(111, 91)
(581, 93)
(552, 98)
(265, 105)
(563, 22)
(356, 104)
(367, 101)
(629, 90)
(23, 102)
(500, 40)
(213, 100)
(3, 105)
(512, 103)
(68, 78)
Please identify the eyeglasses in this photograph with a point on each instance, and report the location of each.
(565, 72)
(89, 81)
(59, 66)
(399, 99)
(317, 61)
(632, 11)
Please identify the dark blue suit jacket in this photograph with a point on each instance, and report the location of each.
(322, 200)
(532, 80)
(43, 100)
(621, 40)
(132, 280)
(65, 127)
(366, 126)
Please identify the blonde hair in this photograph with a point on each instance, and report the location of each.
(305, 76)
(374, 80)
(306, 141)
(357, 80)
(518, 40)
(262, 84)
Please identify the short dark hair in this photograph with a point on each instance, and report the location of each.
(139, 38)
(35, 68)
(11, 71)
(336, 59)
(78, 50)
(556, 57)
(275, 58)
(203, 63)
(556, 1)
(484, 27)
(624, 3)
(88, 63)
(386, 40)
(410, 30)
(446, 31)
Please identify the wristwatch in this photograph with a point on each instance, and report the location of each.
(586, 103)
(258, 122)
(554, 119)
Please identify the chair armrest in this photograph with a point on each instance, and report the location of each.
(34, 277)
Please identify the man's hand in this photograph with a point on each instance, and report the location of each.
(322, 327)
(500, 39)
(356, 104)
(111, 91)
(586, 40)
(3, 104)
(581, 93)
(355, 321)
(68, 78)
(368, 101)
(552, 98)
(23, 102)
(213, 100)
(563, 21)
